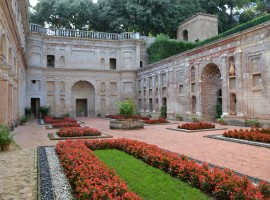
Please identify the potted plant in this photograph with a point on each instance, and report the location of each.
(179, 117)
(23, 119)
(44, 110)
(195, 119)
(253, 123)
(221, 121)
(82, 112)
(6, 138)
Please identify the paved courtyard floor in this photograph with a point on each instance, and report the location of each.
(18, 178)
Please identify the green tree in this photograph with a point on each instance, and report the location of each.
(78, 14)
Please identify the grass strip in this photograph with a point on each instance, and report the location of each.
(146, 181)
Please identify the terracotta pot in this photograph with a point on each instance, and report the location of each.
(5, 147)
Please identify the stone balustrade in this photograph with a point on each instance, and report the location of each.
(35, 28)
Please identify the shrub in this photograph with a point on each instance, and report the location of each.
(195, 119)
(78, 131)
(23, 119)
(218, 111)
(156, 121)
(257, 135)
(44, 111)
(163, 111)
(98, 115)
(163, 47)
(5, 135)
(179, 117)
(126, 108)
(28, 111)
(65, 124)
(252, 122)
(196, 126)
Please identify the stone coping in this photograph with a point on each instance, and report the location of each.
(253, 143)
(55, 136)
(193, 131)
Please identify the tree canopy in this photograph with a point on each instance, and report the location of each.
(149, 17)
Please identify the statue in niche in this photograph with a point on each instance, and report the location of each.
(232, 67)
(144, 83)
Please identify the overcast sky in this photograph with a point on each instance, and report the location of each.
(34, 2)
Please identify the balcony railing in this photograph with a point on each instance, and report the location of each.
(83, 34)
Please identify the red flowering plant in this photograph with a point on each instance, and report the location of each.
(65, 124)
(78, 132)
(222, 184)
(156, 121)
(257, 135)
(49, 119)
(88, 176)
(196, 126)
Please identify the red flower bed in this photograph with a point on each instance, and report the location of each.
(48, 119)
(257, 135)
(69, 119)
(65, 124)
(222, 184)
(88, 176)
(196, 126)
(78, 131)
(156, 121)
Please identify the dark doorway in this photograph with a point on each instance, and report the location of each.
(164, 101)
(81, 107)
(35, 105)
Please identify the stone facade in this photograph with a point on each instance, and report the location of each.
(79, 75)
(197, 28)
(13, 30)
(233, 71)
(86, 73)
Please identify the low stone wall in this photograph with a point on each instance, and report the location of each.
(126, 124)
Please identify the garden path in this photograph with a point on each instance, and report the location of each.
(18, 178)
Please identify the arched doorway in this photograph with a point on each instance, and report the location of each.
(83, 99)
(185, 35)
(211, 91)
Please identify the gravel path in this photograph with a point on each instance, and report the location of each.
(61, 187)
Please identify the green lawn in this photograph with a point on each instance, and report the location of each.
(146, 181)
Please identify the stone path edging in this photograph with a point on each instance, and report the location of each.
(253, 143)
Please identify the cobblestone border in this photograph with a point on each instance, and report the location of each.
(221, 137)
(54, 136)
(45, 189)
(193, 131)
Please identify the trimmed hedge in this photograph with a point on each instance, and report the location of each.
(163, 47)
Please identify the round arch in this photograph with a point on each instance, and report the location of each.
(83, 99)
(211, 98)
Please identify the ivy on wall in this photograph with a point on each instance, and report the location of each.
(163, 47)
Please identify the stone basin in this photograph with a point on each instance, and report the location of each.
(126, 124)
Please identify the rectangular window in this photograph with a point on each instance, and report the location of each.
(112, 63)
(181, 88)
(50, 61)
(150, 105)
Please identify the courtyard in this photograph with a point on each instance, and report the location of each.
(18, 178)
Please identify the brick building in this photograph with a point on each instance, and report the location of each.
(84, 72)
